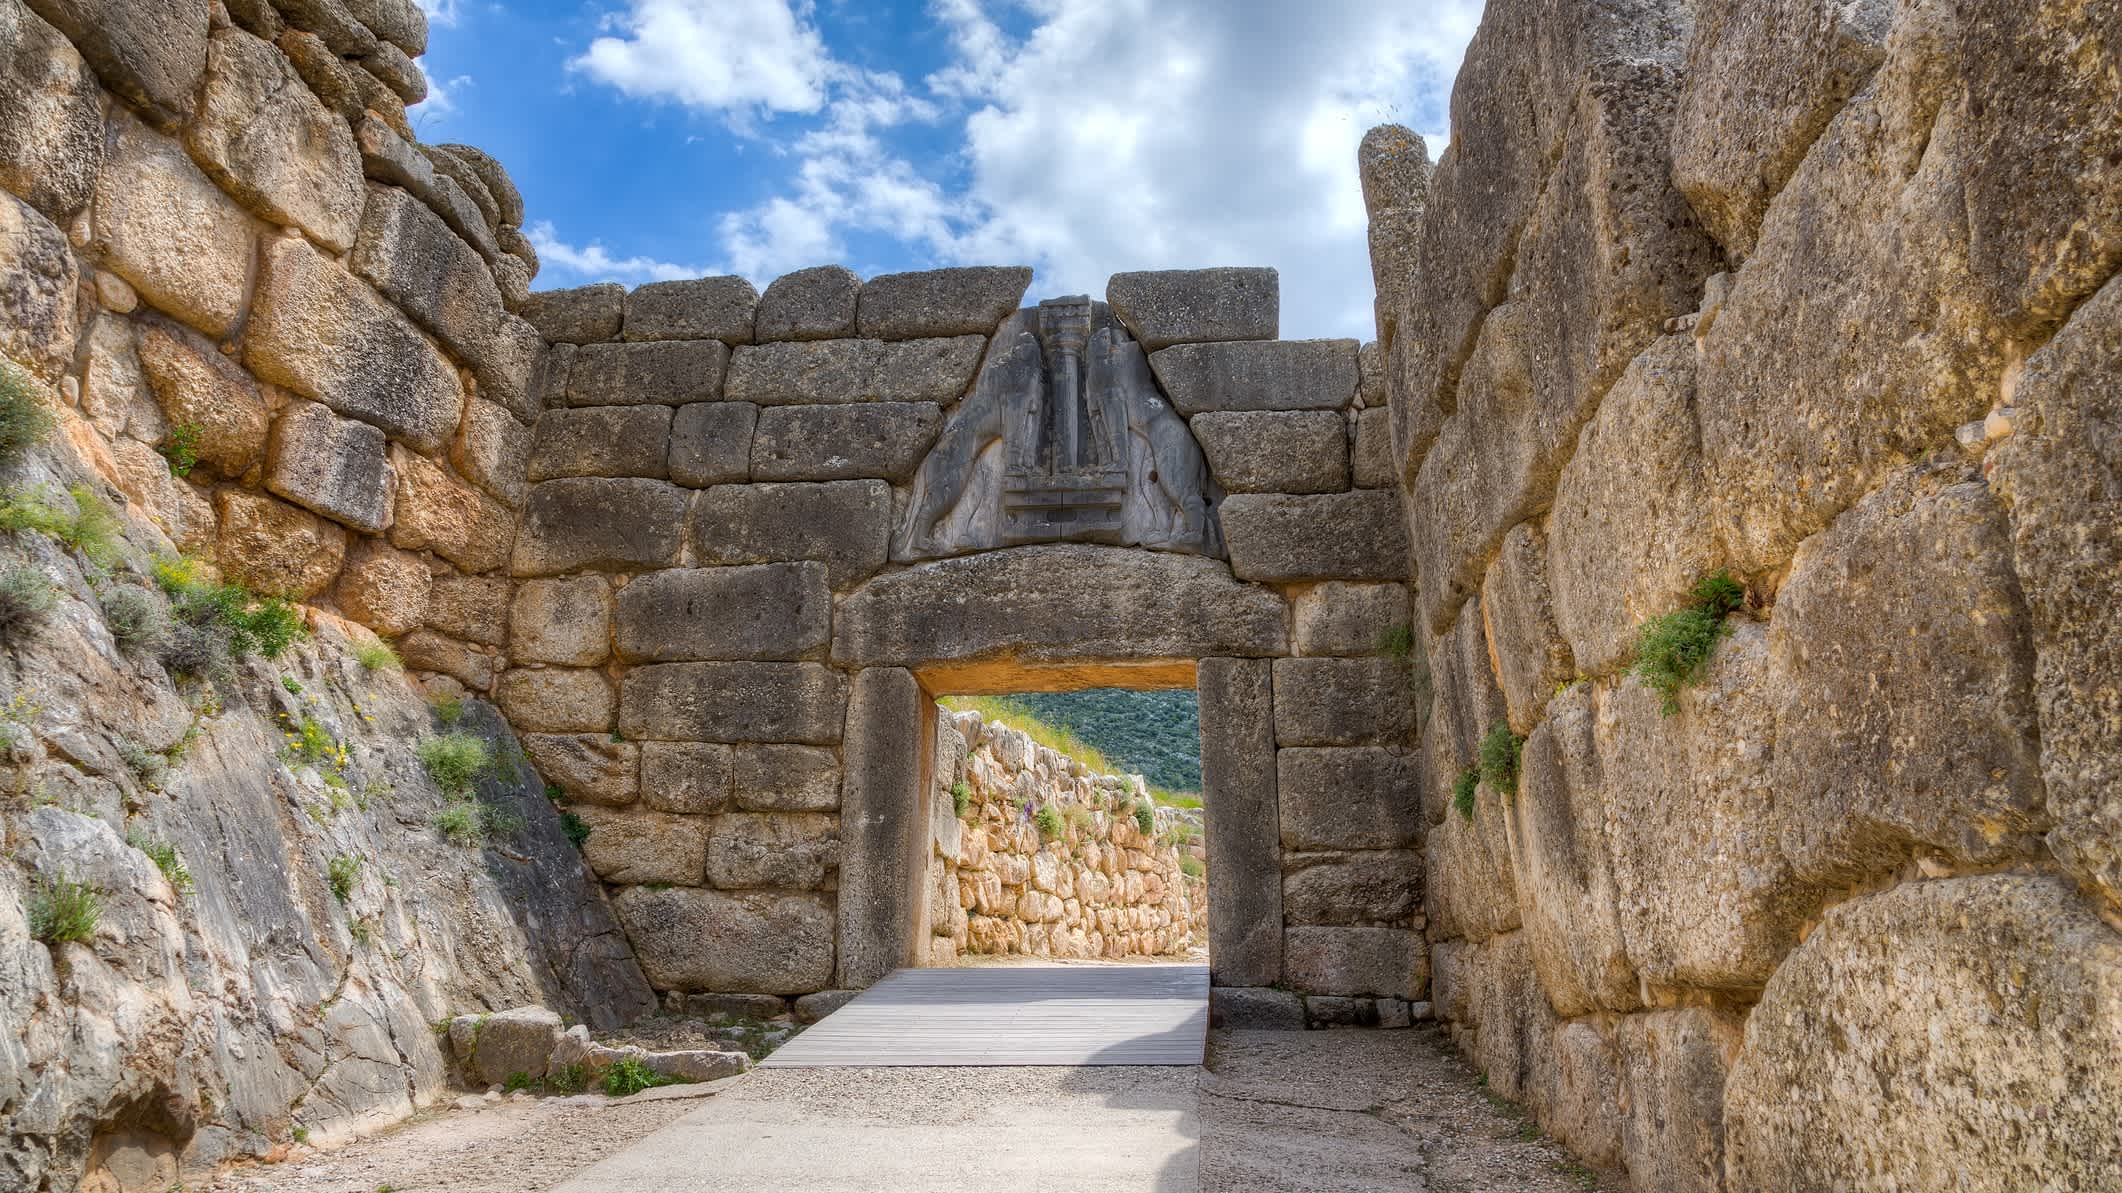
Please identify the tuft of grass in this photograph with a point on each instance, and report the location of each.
(1397, 642)
(498, 819)
(576, 828)
(90, 526)
(1176, 799)
(182, 449)
(25, 421)
(299, 1134)
(449, 710)
(1146, 817)
(216, 622)
(1499, 756)
(164, 855)
(518, 1080)
(377, 656)
(1048, 822)
(149, 767)
(27, 597)
(134, 617)
(1192, 867)
(1674, 648)
(344, 871)
(64, 911)
(567, 1079)
(458, 822)
(631, 1076)
(455, 761)
(961, 798)
(1463, 790)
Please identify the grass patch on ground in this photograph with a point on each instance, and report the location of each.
(630, 1076)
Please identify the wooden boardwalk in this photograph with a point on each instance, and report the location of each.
(1014, 1015)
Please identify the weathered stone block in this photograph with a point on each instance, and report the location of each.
(517, 369)
(940, 302)
(601, 441)
(443, 514)
(760, 611)
(1673, 1066)
(1903, 988)
(711, 443)
(886, 851)
(39, 283)
(557, 700)
(264, 136)
(590, 767)
(474, 608)
(843, 442)
(332, 466)
(1184, 306)
(51, 115)
(733, 702)
(152, 52)
(1244, 853)
(582, 315)
(492, 450)
(686, 776)
(809, 304)
(1347, 798)
(1377, 887)
(410, 254)
(1370, 380)
(845, 525)
(1342, 702)
(426, 650)
(492, 1049)
(793, 850)
(697, 309)
(1274, 538)
(162, 225)
(384, 589)
(272, 547)
(1378, 962)
(614, 524)
(567, 622)
(1254, 1008)
(799, 374)
(743, 943)
(1345, 618)
(200, 388)
(1271, 375)
(632, 845)
(672, 373)
(1372, 461)
(330, 20)
(1532, 659)
(321, 332)
(781, 778)
(1275, 451)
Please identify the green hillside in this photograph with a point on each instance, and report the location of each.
(1156, 734)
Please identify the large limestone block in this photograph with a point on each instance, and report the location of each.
(200, 388)
(1270, 375)
(711, 443)
(384, 589)
(1342, 702)
(1567, 899)
(1465, 704)
(1275, 451)
(1244, 847)
(264, 136)
(1372, 462)
(39, 284)
(271, 547)
(1625, 542)
(410, 254)
(1392, 163)
(756, 611)
(1911, 593)
(631, 845)
(1762, 81)
(330, 465)
(437, 511)
(1277, 538)
(601, 441)
(321, 332)
(828, 443)
(686, 776)
(51, 115)
(1916, 1028)
(403, 23)
(1514, 1040)
(1375, 887)
(1374, 962)
(566, 622)
(492, 450)
(846, 525)
(752, 942)
(1187, 306)
(557, 699)
(517, 368)
(474, 608)
(152, 52)
(733, 702)
(809, 304)
(618, 524)
(163, 226)
(582, 315)
(671, 372)
(1030, 604)
(590, 767)
(1673, 1070)
(1347, 798)
(786, 778)
(940, 302)
(796, 850)
(798, 373)
(2056, 475)
(1472, 890)
(886, 837)
(1517, 608)
(1342, 617)
(717, 308)
(504, 1046)
(114, 391)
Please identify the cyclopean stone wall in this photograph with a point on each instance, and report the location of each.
(1097, 886)
(1821, 294)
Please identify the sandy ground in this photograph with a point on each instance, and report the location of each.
(1302, 1112)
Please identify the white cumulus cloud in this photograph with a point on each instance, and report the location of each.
(571, 265)
(713, 54)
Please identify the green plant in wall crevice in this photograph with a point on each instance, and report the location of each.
(1674, 649)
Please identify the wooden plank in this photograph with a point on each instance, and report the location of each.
(1070, 1015)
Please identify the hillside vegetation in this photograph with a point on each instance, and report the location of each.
(1154, 734)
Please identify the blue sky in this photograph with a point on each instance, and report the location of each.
(674, 138)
